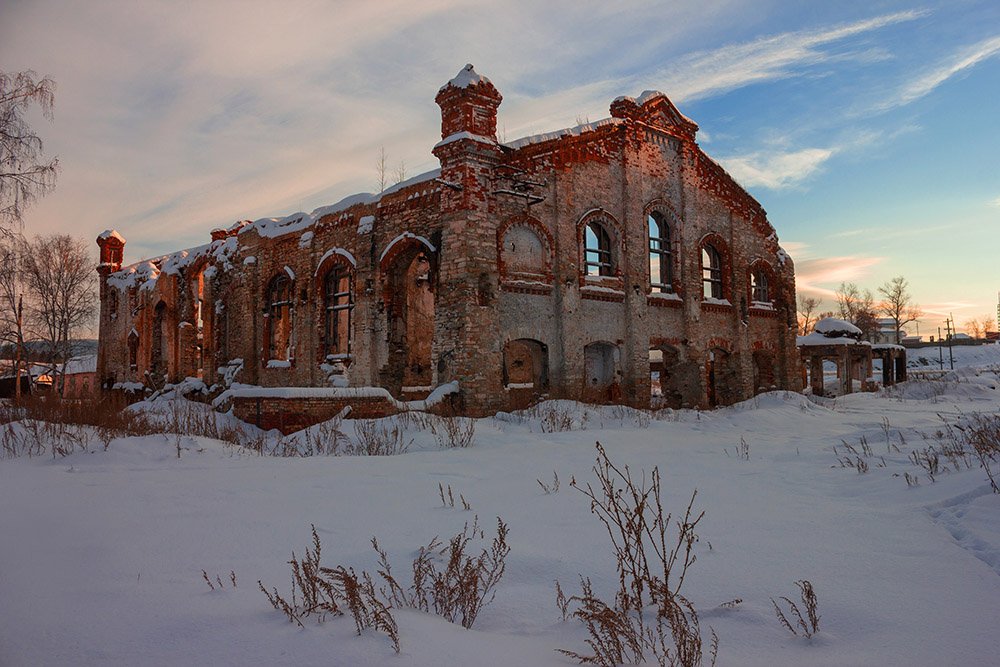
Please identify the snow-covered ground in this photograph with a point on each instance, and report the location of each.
(102, 552)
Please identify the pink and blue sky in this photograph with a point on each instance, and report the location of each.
(868, 130)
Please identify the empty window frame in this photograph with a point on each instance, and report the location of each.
(338, 306)
(711, 272)
(661, 274)
(598, 259)
(759, 291)
(279, 314)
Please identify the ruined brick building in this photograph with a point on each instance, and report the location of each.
(614, 261)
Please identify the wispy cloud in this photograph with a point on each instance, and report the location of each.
(995, 202)
(927, 82)
(776, 170)
(823, 275)
(871, 235)
(781, 56)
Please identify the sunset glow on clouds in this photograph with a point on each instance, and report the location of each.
(869, 135)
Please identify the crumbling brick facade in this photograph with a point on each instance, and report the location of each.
(614, 261)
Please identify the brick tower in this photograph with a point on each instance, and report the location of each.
(467, 332)
(112, 245)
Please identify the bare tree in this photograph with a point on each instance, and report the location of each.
(978, 328)
(400, 175)
(897, 304)
(12, 305)
(974, 327)
(988, 323)
(24, 175)
(380, 167)
(807, 309)
(858, 307)
(59, 274)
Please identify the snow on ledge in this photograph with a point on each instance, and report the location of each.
(250, 391)
(402, 237)
(666, 296)
(346, 254)
(465, 134)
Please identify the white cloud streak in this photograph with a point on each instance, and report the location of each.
(776, 170)
(183, 118)
(927, 82)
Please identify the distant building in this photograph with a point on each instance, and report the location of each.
(80, 377)
(886, 331)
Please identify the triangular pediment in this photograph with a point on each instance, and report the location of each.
(657, 110)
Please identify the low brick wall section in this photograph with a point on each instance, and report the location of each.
(290, 414)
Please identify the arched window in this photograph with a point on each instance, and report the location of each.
(279, 319)
(338, 306)
(133, 350)
(523, 251)
(661, 273)
(113, 303)
(759, 292)
(711, 272)
(598, 258)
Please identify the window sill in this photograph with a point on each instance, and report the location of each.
(664, 300)
(602, 293)
(716, 306)
(521, 286)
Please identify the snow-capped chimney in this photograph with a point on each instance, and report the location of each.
(469, 104)
(112, 246)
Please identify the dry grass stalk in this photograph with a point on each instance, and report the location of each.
(649, 619)
(454, 432)
(378, 439)
(982, 432)
(318, 590)
(808, 625)
(553, 488)
(562, 602)
(457, 591)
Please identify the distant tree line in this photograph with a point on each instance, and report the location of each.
(859, 307)
(47, 296)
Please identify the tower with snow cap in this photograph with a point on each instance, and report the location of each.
(467, 340)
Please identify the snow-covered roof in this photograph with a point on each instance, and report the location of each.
(297, 222)
(468, 76)
(816, 339)
(146, 273)
(831, 327)
(83, 364)
(565, 132)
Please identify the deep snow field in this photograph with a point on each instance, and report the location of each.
(102, 552)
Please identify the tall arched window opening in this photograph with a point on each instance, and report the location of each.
(279, 319)
(711, 272)
(338, 305)
(661, 275)
(759, 292)
(597, 250)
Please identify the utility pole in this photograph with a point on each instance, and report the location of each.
(950, 322)
(940, 351)
(18, 353)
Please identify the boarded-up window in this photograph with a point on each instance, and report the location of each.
(523, 251)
